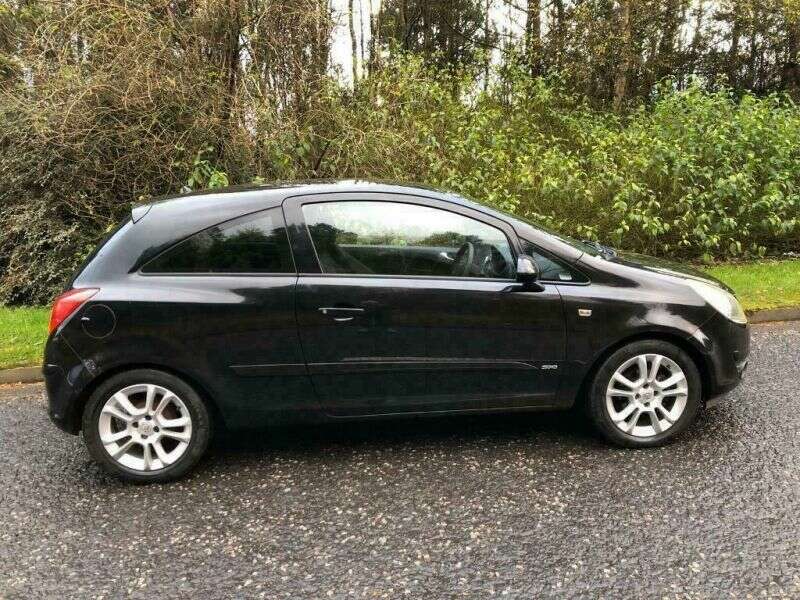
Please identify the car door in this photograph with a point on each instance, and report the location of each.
(409, 304)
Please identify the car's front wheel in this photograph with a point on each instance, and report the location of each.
(146, 426)
(645, 394)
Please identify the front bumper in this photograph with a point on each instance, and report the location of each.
(725, 345)
(65, 379)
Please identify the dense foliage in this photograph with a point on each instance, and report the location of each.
(110, 103)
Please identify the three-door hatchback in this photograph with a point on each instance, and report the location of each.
(342, 300)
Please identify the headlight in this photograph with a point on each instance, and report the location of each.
(722, 301)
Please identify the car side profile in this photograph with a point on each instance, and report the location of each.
(325, 301)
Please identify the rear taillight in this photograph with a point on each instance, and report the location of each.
(67, 303)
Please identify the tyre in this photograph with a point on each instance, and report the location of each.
(645, 394)
(146, 426)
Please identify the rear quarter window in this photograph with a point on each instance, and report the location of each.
(251, 244)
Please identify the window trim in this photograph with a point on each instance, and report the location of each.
(297, 225)
(420, 277)
(245, 218)
(217, 274)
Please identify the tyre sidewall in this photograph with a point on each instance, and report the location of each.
(201, 424)
(597, 400)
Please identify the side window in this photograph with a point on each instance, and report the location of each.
(251, 244)
(393, 238)
(552, 269)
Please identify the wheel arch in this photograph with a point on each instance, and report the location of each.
(205, 395)
(675, 339)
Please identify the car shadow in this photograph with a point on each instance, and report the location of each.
(552, 434)
(564, 427)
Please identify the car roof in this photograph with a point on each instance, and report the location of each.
(273, 193)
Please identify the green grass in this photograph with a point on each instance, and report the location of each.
(23, 332)
(765, 284)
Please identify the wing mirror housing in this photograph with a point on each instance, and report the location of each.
(528, 272)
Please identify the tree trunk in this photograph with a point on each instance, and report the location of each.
(402, 23)
(486, 59)
(353, 41)
(696, 50)
(374, 35)
(559, 33)
(666, 48)
(733, 51)
(623, 71)
(790, 74)
(533, 37)
(231, 56)
(752, 76)
(363, 35)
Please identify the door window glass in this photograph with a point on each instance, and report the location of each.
(251, 244)
(393, 238)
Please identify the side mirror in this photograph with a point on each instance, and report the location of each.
(527, 270)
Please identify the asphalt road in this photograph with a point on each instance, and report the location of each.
(463, 507)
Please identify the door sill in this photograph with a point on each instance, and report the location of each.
(459, 411)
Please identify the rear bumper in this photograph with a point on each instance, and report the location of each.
(65, 378)
(726, 348)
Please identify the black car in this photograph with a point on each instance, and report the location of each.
(327, 301)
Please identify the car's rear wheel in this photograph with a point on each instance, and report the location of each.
(146, 426)
(645, 394)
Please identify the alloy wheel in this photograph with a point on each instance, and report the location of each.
(145, 427)
(647, 395)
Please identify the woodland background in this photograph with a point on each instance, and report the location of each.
(663, 126)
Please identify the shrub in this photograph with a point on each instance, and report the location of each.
(694, 174)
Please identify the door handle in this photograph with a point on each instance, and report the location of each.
(341, 314)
